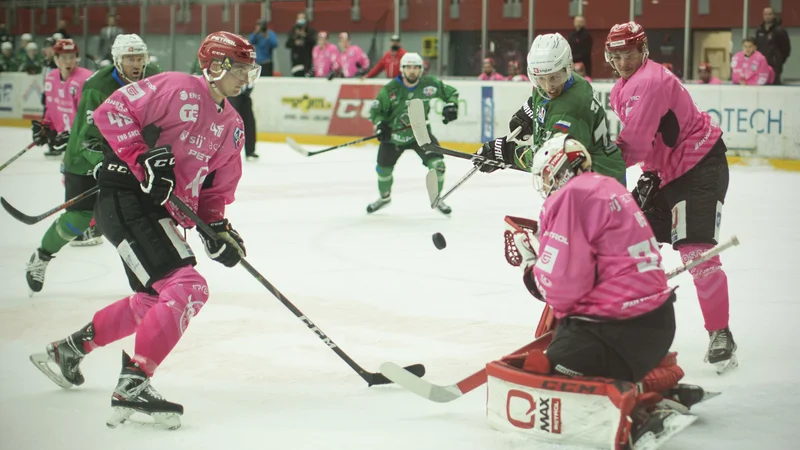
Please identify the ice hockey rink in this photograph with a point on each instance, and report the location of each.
(251, 376)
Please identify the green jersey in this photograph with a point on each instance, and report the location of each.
(392, 104)
(79, 158)
(8, 63)
(578, 111)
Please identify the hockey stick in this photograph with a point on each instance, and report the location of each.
(299, 149)
(30, 220)
(15, 157)
(372, 378)
(448, 393)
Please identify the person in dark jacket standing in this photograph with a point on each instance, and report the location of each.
(302, 40)
(243, 104)
(580, 41)
(773, 42)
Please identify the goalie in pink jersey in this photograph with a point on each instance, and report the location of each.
(685, 175)
(62, 91)
(597, 265)
(172, 133)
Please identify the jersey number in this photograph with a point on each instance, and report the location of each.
(119, 120)
(601, 130)
(646, 249)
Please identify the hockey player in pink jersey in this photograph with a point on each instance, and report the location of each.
(325, 56)
(685, 177)
(489, 74)
(704, 71)
(172, 133)
(62, 91)
(750, 67)
(353, 62)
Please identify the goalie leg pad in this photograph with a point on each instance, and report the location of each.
(664, 377)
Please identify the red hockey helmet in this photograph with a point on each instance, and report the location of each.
(63, 46)
(233, 53)
(626, 36)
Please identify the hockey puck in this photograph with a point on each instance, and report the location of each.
(438, 241)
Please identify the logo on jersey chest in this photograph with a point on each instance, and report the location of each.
(540, 114)
(429, 91)
(189, 113)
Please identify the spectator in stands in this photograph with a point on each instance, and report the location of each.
(750, 67)
(25, 39)
(62, 28)
(353, 62)
(49, 61)
(7, 60)
(773, 42)
(580, 69)
(580, 41)
(5, 36)
(265, 41)
(325, 56)
(515, 73)
(704, 70)
(107, 36)
(489, 74)
(31, 63)
(390, 62)
(302, 39)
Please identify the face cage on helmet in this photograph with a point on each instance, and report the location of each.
(118, 64)
(563, 77)
(641, 47)
(247, 73)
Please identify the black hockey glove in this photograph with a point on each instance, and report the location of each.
(497, 153)
(449, 113)
(159, 174)
(41, 133)
(60, 141)
(228, 249)
(332, 75)
(645, 191)
(383, 131)
(523, 119)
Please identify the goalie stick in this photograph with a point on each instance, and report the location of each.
(299, 148)
(448, 393)
(372, 378)
(30, 220)
(15, 157)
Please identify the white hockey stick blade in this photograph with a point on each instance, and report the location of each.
(296, 147)
(432, 185)
(672, 426)
(419, 125)
(411, 382)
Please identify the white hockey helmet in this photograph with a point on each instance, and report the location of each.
(550, 54)
(26, 37)
(128, 44)
(557, 161)
(410, 60)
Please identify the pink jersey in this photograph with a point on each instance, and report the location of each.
(204, 139)
(493, 77)
(711, 80)
(753, 70)
(661, 125)
(351, 60)
(598, 257)
(326, 59)
(62, 98)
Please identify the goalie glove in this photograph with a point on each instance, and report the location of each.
(521, 241)
(227, 247)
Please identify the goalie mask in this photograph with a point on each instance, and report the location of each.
(557, 161)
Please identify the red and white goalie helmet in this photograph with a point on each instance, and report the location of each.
(223, 52)
(626, 36)
(557, 161)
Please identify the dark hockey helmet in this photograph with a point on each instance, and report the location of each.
(223, 52)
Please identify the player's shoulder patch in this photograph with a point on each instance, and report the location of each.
(133, 91)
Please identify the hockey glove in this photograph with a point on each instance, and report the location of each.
(449, 113)
(332, 75)
(60, 141)
(497, 153)
(228, 248)
(159, 175)
(645, 191)
(383, 131)
(523, 119)
(42, 133)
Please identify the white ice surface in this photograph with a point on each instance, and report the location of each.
(251, 376)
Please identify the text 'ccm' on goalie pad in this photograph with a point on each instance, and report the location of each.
(568, 410)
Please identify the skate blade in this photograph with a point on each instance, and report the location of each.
(672, 426)
(42, 362)
(88, 243)
(724, 366)
(161, 420)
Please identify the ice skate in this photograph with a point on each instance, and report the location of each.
(682, 397)
(652, 427)
(252, 157)
(34, 272)
(135, 394)
(89, 238)
(444, 208)
(722, 350)
(379, 203)
(67, 355)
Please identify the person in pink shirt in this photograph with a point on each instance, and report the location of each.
(580, 69)
(749, 67)
(515, 73)
(489, 74)
(353, 62)
(169, 134)
(704, 70)
(685, 177)
(62, 92)
(325, 56)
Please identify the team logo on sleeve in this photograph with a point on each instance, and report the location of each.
(429, 91)
(547, 260)
(238, 138)
(133, 91)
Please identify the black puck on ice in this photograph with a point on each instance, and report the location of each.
(438, 241)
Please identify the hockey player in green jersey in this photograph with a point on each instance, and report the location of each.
(561, 102)
(84, 153)
(390, 112)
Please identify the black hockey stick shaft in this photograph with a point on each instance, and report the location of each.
(15, 157)
(371, 378)
(30, 220)
(357, 141)
(471, 156)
